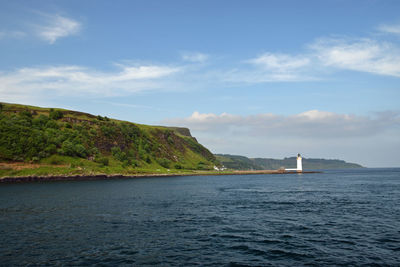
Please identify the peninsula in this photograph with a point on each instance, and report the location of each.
(38, 141)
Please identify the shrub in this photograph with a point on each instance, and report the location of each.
(25, 113)
(40, 121)
(108, 130)
(102, 160)
(94, 151)
(68, 148)
(56, 160)
(148, 159)
(202, 166)
(164, 162)
(178, 166)
(52, 124)
(80, 150)
(51, 149)
(126, 163)
(55, 114)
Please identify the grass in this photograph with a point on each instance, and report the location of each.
(68, 166)
(89, 170)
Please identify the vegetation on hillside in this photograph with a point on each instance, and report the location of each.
(244, 163)
(66, 141)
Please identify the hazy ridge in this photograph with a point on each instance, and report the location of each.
(244, 163)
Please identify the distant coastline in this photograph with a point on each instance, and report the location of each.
(238, 162)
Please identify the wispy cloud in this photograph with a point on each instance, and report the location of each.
(57, 26)
(47, 27)
(280, 62)
(65, 80)
(392, 29)
(271, 67)
(196, 57)
(320, 58)
(363, 55)
(12, 34)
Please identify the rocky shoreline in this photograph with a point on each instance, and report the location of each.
(49, 178)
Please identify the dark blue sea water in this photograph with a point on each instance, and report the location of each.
(345, 217)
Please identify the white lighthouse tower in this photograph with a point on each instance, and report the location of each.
(299, 163)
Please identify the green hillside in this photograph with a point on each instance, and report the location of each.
(236, 162)
(244, 163)
(58, 141)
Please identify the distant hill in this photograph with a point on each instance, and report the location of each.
(71, 142)
(243, 163)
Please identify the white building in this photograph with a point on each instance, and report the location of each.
(299, 164)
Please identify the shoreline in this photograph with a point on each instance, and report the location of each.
(81, 177)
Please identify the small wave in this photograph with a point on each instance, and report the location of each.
(270, 241)
(387, 240)
(235, 264)
(248, 250)
(288, 254)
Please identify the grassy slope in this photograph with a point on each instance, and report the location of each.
(81, 143)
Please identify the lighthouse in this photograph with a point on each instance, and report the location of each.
(299, 163)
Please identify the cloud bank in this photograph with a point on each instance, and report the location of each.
(309, 125)
(363, 139)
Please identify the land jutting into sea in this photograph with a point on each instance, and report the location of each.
(52, 144)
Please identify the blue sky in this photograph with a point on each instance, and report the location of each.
(257, 78)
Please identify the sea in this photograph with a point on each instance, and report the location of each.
(334, 218)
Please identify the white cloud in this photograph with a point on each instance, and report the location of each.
(77, 80)
(194, 57)
(392, 29)
(282, 63)
(56, 27)
(44, 26)
(363, 55)
(270, 67)
(320, 58)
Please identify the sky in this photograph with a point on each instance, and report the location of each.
(254, 78)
